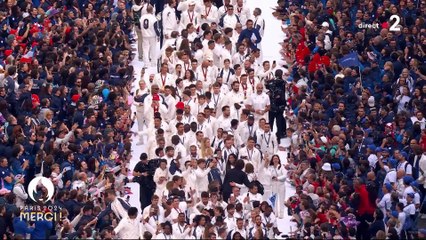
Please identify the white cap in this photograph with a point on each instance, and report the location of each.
(371, 101)
(323, 139)
(25, 15)
(326, 167)
(191, 2)
(325, 24)
(209, 58)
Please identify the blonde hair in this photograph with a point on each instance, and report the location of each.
(206, 150)
(389, 64)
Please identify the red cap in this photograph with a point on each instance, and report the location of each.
(155, 97)
(35, 100)
(180, 105)
(8, 52)
(75, 98)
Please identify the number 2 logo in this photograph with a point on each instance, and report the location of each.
(394, 27)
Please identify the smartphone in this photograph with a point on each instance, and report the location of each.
(274, 62)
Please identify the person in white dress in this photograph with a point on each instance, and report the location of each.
(278, 175)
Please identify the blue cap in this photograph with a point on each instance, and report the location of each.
(372, 147)
(411, 195)
(395, 214)
(414, 184)
(335, 166)
(388, 186)
(407, 180)
(379, 149)
(392, 162)
(385, 150)
(404, 154)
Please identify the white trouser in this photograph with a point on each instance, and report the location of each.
(149, 45)
(278, 188)
(140, 117)
(140, 48)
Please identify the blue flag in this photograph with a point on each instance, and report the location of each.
(272, 199)
(350, 60)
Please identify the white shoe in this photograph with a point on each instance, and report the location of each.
(423, 216)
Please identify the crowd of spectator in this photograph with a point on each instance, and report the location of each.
(357, 131)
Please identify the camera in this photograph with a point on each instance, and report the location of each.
(277, 94)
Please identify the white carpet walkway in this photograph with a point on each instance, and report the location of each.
(270, 49)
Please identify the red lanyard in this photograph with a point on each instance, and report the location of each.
(204, 73)
(189, 15)
(239, 9)
(245, 89)
(163, 80)
(207, 12)
(252, 83)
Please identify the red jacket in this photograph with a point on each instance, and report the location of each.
(365, 205)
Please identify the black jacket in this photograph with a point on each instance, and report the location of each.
(233, 175)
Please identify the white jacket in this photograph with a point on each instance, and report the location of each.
(21, 195)
(422, 166)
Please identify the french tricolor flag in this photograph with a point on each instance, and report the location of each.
(28, 57)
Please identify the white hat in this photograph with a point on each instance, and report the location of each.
(326, 167)
(191, 2)
(371, 101)
(323, 139)
(25, 15)
(339, 75)
(325, 24)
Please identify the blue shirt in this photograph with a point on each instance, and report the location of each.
(5, 172)
(21, 227)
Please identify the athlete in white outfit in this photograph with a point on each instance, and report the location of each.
(150, 33)
(170, 21)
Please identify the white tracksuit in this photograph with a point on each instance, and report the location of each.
(150, 32)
